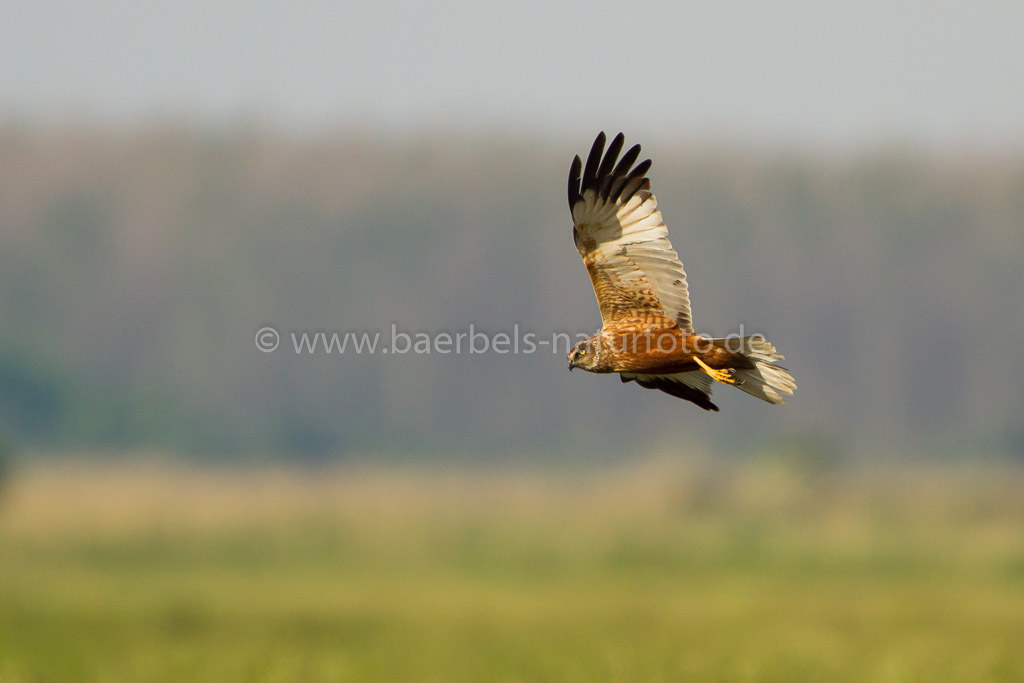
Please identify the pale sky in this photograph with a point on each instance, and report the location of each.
(839, 73)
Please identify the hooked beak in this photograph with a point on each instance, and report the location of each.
(571, 366)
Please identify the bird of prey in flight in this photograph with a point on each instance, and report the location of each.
(646, 333)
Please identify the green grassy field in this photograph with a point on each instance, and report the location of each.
(659, 572)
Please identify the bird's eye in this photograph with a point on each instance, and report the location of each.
(582, 352)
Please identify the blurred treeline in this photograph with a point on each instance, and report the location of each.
(136, 267)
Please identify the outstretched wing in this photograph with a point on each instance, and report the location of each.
(691, 386)
(623, 240)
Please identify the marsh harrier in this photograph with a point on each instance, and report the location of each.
(646, 330)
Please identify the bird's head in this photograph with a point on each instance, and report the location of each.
(584, 355)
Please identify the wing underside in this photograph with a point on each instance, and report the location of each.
(690, 386)
(620, 234)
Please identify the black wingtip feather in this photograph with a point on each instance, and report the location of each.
(593, 160)
(627, 161)
(574, 181)
(640, 170)
(611, 180)
(610, 157)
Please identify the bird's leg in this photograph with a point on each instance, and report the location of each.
(725, 376)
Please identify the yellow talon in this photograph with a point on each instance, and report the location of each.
(724, 376)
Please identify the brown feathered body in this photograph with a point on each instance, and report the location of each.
(663, 351)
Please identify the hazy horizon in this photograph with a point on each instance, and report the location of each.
(940, 75)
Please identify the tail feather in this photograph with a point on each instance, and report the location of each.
(767, 380)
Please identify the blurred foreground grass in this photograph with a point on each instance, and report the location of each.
(659, 572)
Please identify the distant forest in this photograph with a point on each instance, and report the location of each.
(136, 268)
